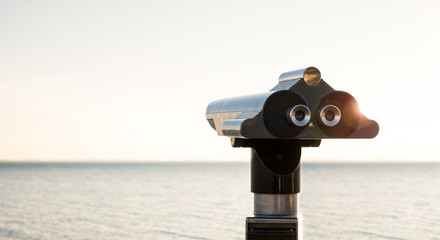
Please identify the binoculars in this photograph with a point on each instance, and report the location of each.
(298, 112)
(300, 106)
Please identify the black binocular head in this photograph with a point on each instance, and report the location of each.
(300, 106)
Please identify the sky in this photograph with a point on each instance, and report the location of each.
(130, 80)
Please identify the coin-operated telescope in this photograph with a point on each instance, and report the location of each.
(298, 112)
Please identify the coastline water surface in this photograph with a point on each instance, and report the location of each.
(211, 201)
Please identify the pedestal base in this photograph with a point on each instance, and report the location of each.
(259, 228)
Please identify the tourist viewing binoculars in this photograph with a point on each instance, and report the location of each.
(300, 106)
(298, 112)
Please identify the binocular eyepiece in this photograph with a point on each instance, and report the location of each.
(299, 115)
(300, 106)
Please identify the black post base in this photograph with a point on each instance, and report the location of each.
(258, 228)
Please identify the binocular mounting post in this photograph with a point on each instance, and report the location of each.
(275, 182)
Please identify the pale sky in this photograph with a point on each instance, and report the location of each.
(130, 80)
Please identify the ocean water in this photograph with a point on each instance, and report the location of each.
(211, 201)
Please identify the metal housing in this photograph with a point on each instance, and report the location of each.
(262, 116)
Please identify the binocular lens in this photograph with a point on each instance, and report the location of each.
(330, 115)
(299, 115)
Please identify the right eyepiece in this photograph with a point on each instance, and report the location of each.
(338, 114)
(330, 115)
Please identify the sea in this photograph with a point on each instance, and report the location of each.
(210, 200)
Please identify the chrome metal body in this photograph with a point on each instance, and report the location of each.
(311, 75)
(276, 205)
(226, 116)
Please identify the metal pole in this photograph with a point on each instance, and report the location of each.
(275, 182)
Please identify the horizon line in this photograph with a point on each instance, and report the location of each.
(118, 161)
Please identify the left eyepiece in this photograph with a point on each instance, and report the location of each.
(299, 115)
